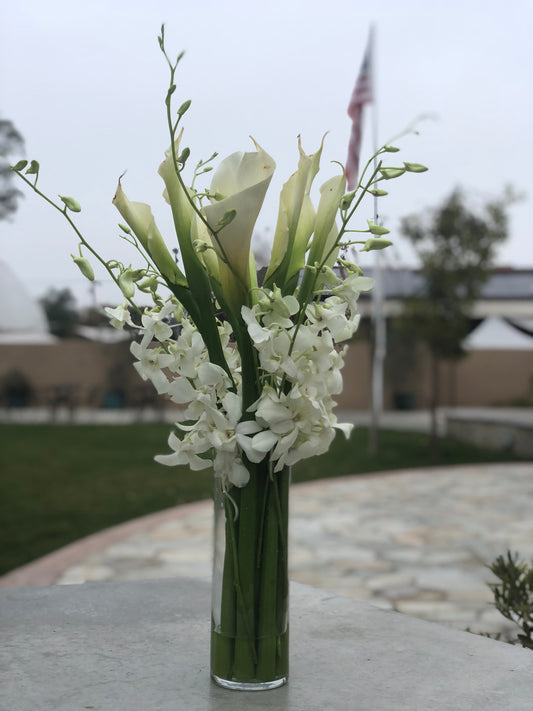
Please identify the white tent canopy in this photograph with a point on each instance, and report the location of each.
(22, 318)
(497, 334)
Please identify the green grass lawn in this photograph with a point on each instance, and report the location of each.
(60, 483)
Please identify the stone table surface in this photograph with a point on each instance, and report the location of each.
(143, 646)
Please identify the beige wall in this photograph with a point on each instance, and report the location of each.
(92, 367)
(495, 378)
(356, 378)
(483, 378)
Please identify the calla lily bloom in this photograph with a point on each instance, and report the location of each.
(243, 179)
(295, 223)
(182, 210)
(138, 216)
(323, 250)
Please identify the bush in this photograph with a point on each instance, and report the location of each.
(15, 389)
(513, 595)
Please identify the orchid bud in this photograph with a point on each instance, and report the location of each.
(20, 165)
(34, 168)
(415, 167)
(84, 266)
(70, 203)
(375, 243)
(184, 107)
(170, 91)
(126, 284)
(378, 193)
(182, 158)
(389, 173)
(346, 200)
(329, 278)
(377, 229)
(137, 274)
(390, 149)
(351, 268)
(200, 246)
(149, 284)
(124, 228)
(226, 218)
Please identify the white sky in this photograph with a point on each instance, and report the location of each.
(84, 82)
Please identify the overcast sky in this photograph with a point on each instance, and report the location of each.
(84, 82)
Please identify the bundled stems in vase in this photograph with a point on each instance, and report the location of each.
(249, 645)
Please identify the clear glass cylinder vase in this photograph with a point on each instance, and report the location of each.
(250, 598)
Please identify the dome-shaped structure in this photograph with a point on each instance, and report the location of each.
(22, 318)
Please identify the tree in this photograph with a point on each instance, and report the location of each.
(60, 308)
(10, 141)
(456, 245)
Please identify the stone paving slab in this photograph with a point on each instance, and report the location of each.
(416, 541)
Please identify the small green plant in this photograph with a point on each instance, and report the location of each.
(513, 595)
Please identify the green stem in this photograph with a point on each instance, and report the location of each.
(63, 211)
(222, 642)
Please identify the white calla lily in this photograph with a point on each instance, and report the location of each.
(331, 193)
(139, 217)
(323, 249)
(295, 223)
(243, 179)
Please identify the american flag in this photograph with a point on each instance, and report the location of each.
(362, 94)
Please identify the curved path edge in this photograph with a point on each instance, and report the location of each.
(48, 569)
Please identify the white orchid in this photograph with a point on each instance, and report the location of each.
(150, 365)
(155, 327)
(119, 316)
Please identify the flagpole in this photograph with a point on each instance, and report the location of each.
(379, 325)
(362, 94)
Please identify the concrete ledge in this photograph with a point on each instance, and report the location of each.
(491, 433)
(144, 645)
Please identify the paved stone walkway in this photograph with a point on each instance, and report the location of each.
(415, 541)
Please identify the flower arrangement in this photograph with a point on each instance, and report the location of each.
(255, 366)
